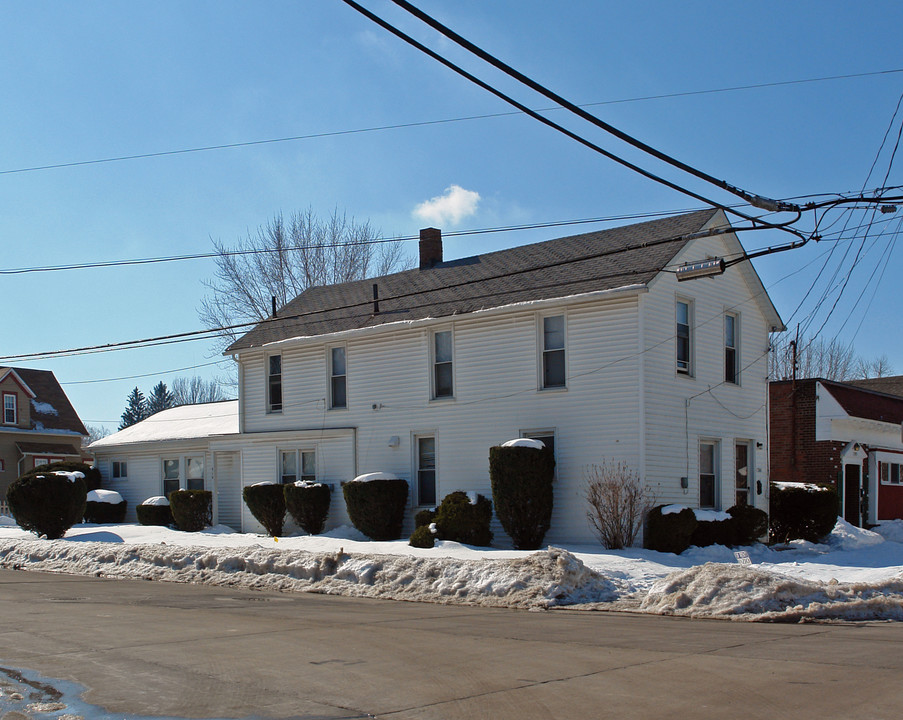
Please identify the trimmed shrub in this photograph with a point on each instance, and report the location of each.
(154, 515)
(424, 517)
(714, 532)
(308, 504)
(98, 511)
(376, 507)
(47, 504)
(522, 492)
(422, 537)
(266, 502)
(192, 510)
(749, 523)
(670, 532)
(91, 473)
(801, 513)
(462, 521)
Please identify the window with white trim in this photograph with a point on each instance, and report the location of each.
(443, 368)
(10, 408)
(425, 447)
(708, 474)
(890, 473)
(742, 472)
(731, 349)
(683, 318)
(120, 469)
(291, 461)
(338, 395)
(183, 473)
(274, 383)
(553, 360)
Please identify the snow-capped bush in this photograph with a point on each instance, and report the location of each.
(376, 505)
(266, 501)
(47, 504)
(105, 506)
(308, 504)
(521, 476)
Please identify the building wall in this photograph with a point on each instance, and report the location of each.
(683, 409)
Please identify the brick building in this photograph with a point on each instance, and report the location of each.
(848, 435)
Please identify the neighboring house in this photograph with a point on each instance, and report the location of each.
(38, 426)
(848, 435)
(587, 342)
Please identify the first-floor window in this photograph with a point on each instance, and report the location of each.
(742, 473)
(170, 475)
(890, 473)
(291, 461)
(120, 469)
(194, 473)
(708, 474)
(426, 470)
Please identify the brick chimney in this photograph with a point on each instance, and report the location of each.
(430, 247)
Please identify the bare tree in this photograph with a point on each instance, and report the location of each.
(877, 368)
(190, 391)
(618, 502)
(95, 432)
(831, 360)
(284, 258)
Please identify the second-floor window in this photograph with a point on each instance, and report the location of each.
(684, 340)
(338, 397)
(10, 409)
(443, 382)
(553, 374)
(731, 371)
(274, 383)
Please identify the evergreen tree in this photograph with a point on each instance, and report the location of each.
(135, 409)
(160, 398)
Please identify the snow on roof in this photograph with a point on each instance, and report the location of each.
(186, 422)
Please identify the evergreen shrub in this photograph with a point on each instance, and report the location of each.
(47, 504)
(522, 492)
(154, 515)
(422, 537)
(376, 507)
(104, 512)
(91, 473)
(266, 502)
(460, 520)
(424, 517)
(192, 510)
(714, 532)
(669, 532)
(799, 513)
(749, 523)
(308, 504)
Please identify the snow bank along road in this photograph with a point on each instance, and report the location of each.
(855, 575)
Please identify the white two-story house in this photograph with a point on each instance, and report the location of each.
(587, 342)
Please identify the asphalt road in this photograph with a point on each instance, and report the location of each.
(155, 648)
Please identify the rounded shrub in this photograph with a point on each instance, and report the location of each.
(669, 532)
(424, 517)
(522, 492)
(91, 474)
(266, 502)
(154, 511)
(308, 504)
(714, 532)
(192, 510)
(459, 519)
(422, 537)
(376, 505)
(749, 523)
(802, 512)
(105, 506)
(47, 504)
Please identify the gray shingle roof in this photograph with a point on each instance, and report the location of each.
(44, 385)
(602, 260)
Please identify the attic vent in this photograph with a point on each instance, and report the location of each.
(430, 247)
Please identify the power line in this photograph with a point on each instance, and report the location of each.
(426, 123)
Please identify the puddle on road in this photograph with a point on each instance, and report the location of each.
(28, 695)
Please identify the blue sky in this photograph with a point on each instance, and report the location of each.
(96, 80)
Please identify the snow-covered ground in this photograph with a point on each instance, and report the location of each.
(855, 575)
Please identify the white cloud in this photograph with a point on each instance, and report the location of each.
(450, 208)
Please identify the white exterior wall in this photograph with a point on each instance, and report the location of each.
(681, 410)
(496, 380)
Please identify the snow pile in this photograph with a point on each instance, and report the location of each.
(743, 593)
(156, 500)
(72, 476)
(44, 408)
(525, 442)
(367, 477)
(845, 536)
(701, 515)
(540, 580)
(104, 496)
(810, 487)
(891, 530)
